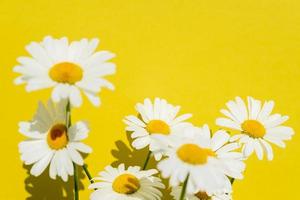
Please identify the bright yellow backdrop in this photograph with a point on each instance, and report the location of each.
(195, 53)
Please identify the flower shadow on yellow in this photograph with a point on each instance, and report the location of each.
(45, 188)
(131, 157)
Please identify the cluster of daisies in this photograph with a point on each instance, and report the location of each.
(199, 163)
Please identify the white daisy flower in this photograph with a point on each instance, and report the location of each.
(206, 160)
(176, 192)
(159, 117)
(256, 125)
(131, 184)
(51, 142)
(67, 67)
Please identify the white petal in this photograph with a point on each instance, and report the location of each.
(224, 122)
(204, 131)
(52, 169)
(38, 168)
(254, 107)
(234, 110)
(24, 129)
(268, 149)
(141, 142)
(101, 69)
(141, 110)
(39, 54)
(94, 99)
(75, 156)
(219, 139)
(275, 120)
(81, 147)
(242, 108)
(266, 110)
(275, 140)
(248, 148)
(78, 131)
(181, 118)
(59, 92)
(229, 147)
(258, 149)
(75, 97)
(135, 120)
(34, 153)
(156, 108)
(99, 57)
(38, 83)
(281, 132)
(66, 161)
(236, 137)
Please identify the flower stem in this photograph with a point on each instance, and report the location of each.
(147, 160)
(76, 195)
(182, 195)
(68, 124)
(88, 173)
(232, 180)
(68, 114)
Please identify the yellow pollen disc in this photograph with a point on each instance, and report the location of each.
(57, 137)
(193, 154)
(158, 126)
(126, 184)
(254, 128)
(202, 196)
(66, 72)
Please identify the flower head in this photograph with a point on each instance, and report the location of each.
(126, 184)
(206, 160)
(158, 117)
(68, 68)
(256, 125)
(51, 142)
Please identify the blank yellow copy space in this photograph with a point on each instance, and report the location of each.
(196, 53)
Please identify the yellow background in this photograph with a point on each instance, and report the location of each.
(195, 53)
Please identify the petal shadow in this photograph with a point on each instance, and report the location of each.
(45, 188)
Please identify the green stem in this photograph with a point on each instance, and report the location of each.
(182, 195)
(232, 180)
(147, 160)
(76, 194)
(88, 173)
(68, 124)
(68, 114)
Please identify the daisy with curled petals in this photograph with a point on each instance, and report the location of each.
(69, 68)
(126, 184)
(201, 161)
(176, 191)
(257, 126)
(158, 117)
(50, 142)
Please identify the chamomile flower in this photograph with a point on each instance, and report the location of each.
(206, 160)
(256, 125)
(50, 142)
(68, 68)
(158, 117)
(176, 192)
(126, 184)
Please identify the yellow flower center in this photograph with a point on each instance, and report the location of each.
(202, 196)
(126, 184)
(57, 137)
(158, 126)
(66, 72)
(193, 154)
(254, 128)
